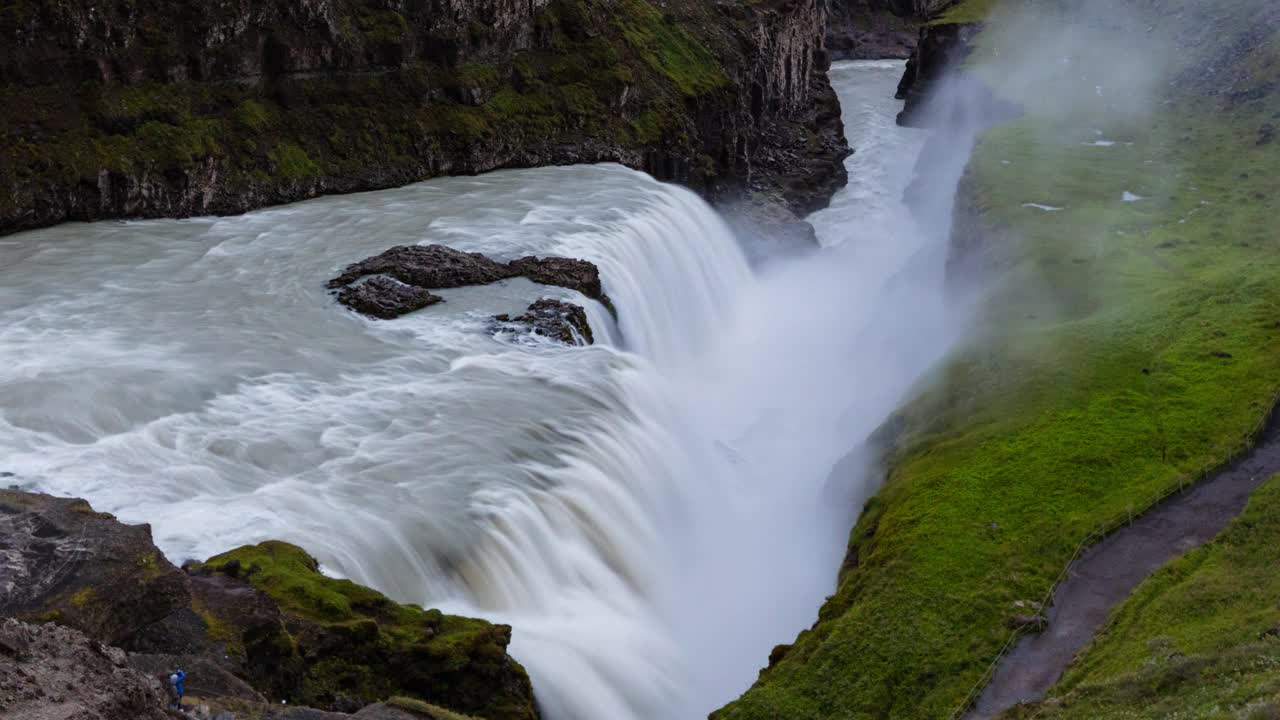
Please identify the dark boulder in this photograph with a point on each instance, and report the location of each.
(60, 560)
(385, 297)
(569, 273)
(340, 646)
(426, 266)
(397, 281)
(555, 319)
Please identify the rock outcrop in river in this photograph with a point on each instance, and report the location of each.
(259, 622)
(398, 281)
(153, 109)
(561, 321)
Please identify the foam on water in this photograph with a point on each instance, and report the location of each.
(652, 514)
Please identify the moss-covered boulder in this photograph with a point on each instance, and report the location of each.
(335, 644)
(262, 614)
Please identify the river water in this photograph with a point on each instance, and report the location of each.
(652, 514)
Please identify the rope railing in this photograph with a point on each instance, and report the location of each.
(1104, 530)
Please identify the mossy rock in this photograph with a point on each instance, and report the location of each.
(339, 644)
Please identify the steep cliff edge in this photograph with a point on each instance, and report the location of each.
(877, 29)
(147, 109)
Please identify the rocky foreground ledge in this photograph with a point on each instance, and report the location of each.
(95, 616)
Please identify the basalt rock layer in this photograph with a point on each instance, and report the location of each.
(150, 109)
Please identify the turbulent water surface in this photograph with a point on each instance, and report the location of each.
(651, 514)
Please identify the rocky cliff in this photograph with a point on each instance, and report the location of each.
(876, 29)
(255, 624)
(144, 108)
(942, 48)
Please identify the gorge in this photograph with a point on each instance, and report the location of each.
(651, 383)
(593, 498)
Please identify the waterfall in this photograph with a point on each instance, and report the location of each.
(651, 514)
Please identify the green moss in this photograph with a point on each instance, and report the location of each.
(48, 616)
(254, 114)
(669, 49)
(354, 642)
(82, 598)
(969, 11)
(292, 162)
(292, 577)
(1126, 349)
(382, 26)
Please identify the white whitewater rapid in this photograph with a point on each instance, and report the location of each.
(652, 514)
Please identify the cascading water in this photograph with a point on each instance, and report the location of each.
(651, 514)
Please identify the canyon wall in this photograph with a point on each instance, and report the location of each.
(149, 109)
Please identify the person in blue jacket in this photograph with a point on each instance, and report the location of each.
(175, 688)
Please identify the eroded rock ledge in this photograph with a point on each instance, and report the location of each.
(257, 623)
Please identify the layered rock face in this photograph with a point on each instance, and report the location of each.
(147, 109)
(876, 29)
(258, 623)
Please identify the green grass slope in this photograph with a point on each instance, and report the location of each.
(1126, 348)
(1198, 639)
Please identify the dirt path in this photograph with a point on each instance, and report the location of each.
(1106, 574)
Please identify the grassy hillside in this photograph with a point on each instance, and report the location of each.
(1126, 346)
(1198, 639)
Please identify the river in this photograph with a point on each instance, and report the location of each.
(651, 514)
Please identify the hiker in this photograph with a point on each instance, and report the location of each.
(175, 688)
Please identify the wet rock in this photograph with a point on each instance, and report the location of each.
(386, 298)
(432, 267)
(555, 319)
(569, 273)
(402, 277)
(61, 560)
(65, 674)
(1266, 134)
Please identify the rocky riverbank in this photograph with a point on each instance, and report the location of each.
(255, 625)
(154, 110)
